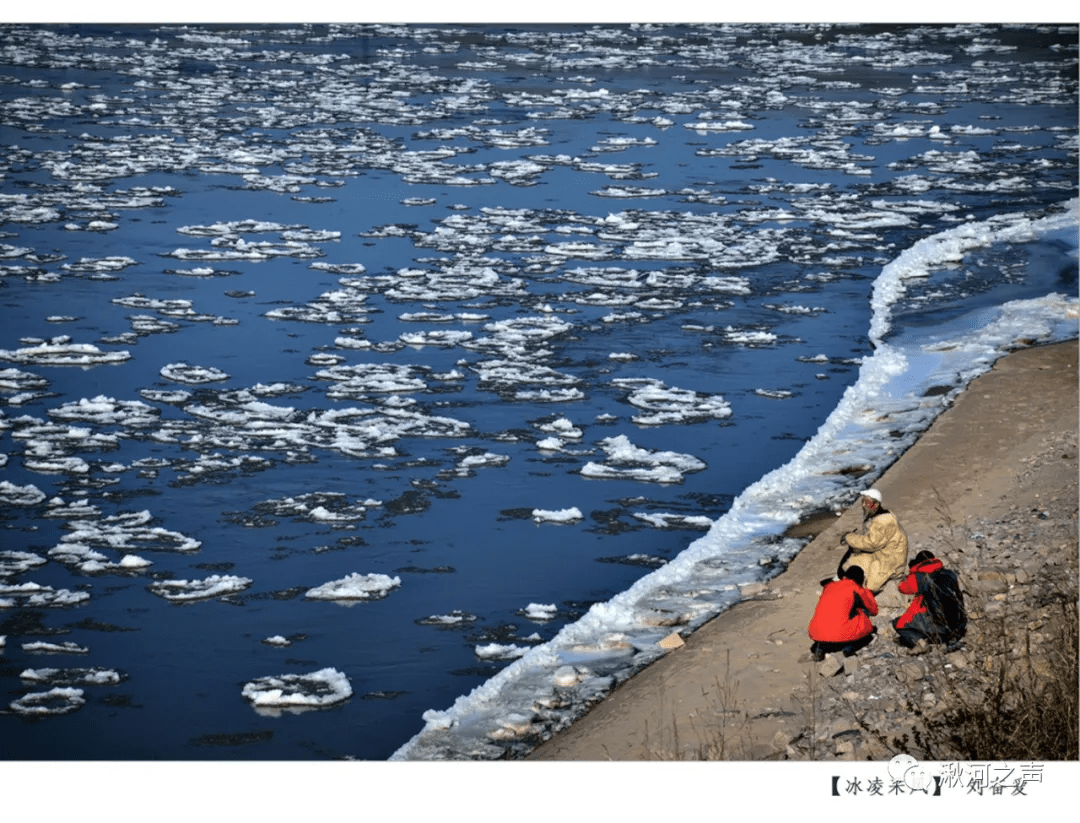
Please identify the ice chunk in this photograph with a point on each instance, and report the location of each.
(355, 587)
(59, 700)
(12, 563)
(561, 516)
(499, 651)
(184, 373)
(540, 612)
(298, 691)
(626, 461)
(215, 585)
(12, 495)
(62, 352)
(43, 647)
(95, 676)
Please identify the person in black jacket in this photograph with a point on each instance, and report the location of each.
(937, 613)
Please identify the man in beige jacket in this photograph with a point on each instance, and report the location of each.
(879, 547)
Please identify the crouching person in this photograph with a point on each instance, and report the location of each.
(841, 621)
(937, 613)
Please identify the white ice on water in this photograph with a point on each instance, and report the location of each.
(318, 689)
(13, 495)
(71, 677)
(37, 594)
(500, 651)
(44, 647)
(185, 373)
(627, 461)
(58, 700)
(60, 351)
(540, 612)
(216, 585)
(622, 633)
(355, 586)
(570, 515)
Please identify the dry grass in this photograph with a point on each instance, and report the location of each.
(722, 729)
(1019, 708)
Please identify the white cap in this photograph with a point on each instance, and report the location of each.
(873, 494)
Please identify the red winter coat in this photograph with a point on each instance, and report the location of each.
(833, 622)
(910, 585)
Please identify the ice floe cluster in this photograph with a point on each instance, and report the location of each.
(586, 659)
(629, 462)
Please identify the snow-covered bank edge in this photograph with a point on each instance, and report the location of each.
(877, 419)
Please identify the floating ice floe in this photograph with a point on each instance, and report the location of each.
(59, 700)
(435, 338)
(629, 462)
(240, 249)
(675, 521)
(775, 394)
(539, 612)
(128, 530)
(552, 444)
(43, 647)
(719, 126)
(570, 515)
(60, 351)
(648, 561)
(178, 307)
(93, 225)
(749, 338)
(216, 585)
(562, 427)
(379, 378)
(88, 561)
(455, 618)
(487, 459)
(95, 676)
(99, 265)
(665, 404)
(184, 373)
(355, 586)
(499, 651)
(16, 562)
(108, 411)
(201, 271)
(14, 380)
(297, 692)
(320, 507)
(277, 640)
(36, 594)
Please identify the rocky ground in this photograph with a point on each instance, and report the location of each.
(1018, 571)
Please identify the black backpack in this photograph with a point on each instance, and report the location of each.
(944, 604)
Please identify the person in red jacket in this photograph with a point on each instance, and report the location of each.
(936, 614)
(841, 620)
